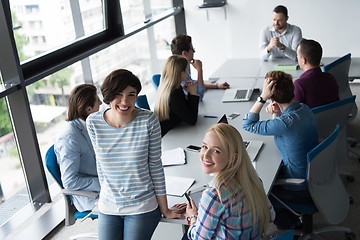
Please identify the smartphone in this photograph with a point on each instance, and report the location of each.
(187, 195)
(193, 148)
(234, 115)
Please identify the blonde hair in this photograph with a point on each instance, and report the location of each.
(240, 174)
(170, 79)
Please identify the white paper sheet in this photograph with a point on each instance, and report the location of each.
(177, 186)
(173, 157)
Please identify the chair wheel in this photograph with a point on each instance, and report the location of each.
(350, 236)
(351, 200)
(350, 179)
(353, 144)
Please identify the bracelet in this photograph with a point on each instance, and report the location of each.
(216, 85)
(189, 219)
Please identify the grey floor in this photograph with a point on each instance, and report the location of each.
(166, 231)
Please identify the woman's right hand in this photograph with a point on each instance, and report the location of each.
(190, 87)
(191, 209)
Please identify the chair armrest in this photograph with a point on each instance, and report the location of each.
(89, 194)
(290, 181)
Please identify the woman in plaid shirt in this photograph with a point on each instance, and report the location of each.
(234, 205)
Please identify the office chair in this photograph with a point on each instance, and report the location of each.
(156, 80)
(71, 214)
(142, 102)
(288, 235)
(327, 191)
(340, 70)
(327, 117)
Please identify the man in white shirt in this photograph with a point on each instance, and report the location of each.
(281, 39)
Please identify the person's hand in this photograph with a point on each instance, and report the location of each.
(223, 85)
(275, 42)
(268, 88)
(178, 208)
(191, 209)
(197, 64)
(273, 108)
(190, 87)
(175, 211)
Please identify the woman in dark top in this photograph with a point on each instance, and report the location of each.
(172, 106)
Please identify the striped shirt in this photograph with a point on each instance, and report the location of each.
(128, 160)
(226, 218)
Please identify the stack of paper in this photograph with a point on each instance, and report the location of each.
(173, 157)
(177, 186)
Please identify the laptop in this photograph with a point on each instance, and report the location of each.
(237, 95)
(253, 148)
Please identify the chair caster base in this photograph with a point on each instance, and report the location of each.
(350, 236)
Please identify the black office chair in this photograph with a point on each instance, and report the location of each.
(327, 191)
(340, 70)
(327, 117)
(71, 214)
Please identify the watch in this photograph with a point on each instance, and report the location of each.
(260, 99)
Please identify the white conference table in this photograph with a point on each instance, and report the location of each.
(254, 67)
(267, 161)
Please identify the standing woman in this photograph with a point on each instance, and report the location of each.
(172, 106)
(234, 205)
(74, 152)
(127, 142)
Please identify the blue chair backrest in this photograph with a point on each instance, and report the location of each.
(332, 105)
(156, 80)
(142, 102)
(52, 165)
(337, 62)
(288, 235)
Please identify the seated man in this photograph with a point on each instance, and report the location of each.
(281, 39)
(74, 151)
(295, 134)
(181, 45)
(314, 87)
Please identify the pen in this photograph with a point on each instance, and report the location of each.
(207, 116)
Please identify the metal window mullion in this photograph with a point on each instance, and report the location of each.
(180, 24)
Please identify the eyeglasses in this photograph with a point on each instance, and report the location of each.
(193, 49)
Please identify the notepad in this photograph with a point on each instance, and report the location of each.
(286, 67)
(177, 186)
(173, 157)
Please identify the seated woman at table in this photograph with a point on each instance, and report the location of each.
(127, 142)
(295, 134)
(234, 205)
(172, 106)
(74, 153)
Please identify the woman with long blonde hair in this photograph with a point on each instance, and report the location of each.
(172, 106)
(234, 205)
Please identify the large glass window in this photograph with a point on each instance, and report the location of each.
(60, 44)
(139, 11)
(13, 192)
(40, 26)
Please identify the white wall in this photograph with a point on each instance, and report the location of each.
(235, 34)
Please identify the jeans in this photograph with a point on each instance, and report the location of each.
(128, 227)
